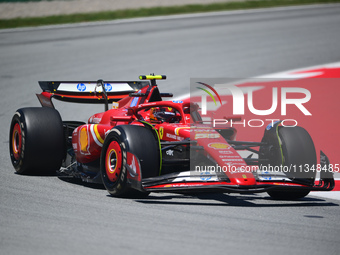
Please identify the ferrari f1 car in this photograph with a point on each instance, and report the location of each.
(142, 144)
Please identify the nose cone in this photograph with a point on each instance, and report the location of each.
(242, 178)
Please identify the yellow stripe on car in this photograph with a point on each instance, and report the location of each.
(152, 77)
(100, 139)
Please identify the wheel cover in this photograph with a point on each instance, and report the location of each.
(16, 141)
(113, 161)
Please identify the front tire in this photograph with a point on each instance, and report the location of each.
(122, 139)
(297, 150)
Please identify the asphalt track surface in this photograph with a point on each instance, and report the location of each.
(45, 215)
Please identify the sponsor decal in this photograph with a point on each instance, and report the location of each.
(207, 135)
(218, 146)
(75, 147)
(134, 102)
(108, 87)
(177, 101)
(225, 152)
(81, 87)
(115, 105)
(266, 175)
(205, 176)
(90, 87)
(174, 137)
(94, 120)
(171, 136)
(133, 164)
(236, 164)
(161, 132)
(231, 159)
(202, 130)
(226, 156)
(170, 153)
(188, 184)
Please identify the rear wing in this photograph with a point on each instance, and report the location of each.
(89, 91)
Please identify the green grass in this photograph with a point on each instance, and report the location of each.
(149, 12)
(17, 1)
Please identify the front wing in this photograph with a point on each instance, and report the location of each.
(186, 182)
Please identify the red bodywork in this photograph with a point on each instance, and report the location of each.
(88, 139)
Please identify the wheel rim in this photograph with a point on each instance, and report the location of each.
(113, 161)
(16, 141)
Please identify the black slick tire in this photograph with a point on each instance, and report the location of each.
(137, 140)
(36, 141)
(298, 150)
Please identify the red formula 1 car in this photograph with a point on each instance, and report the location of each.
(144, 144)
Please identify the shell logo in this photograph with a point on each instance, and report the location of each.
(218, 146)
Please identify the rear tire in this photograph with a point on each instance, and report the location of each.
(37, 143)
(122, 139)
(298, 150)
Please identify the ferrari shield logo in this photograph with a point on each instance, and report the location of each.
(161, 132)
